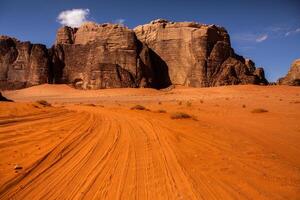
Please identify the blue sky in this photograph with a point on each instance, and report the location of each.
(266, 31)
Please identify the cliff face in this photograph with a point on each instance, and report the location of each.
(154, 55)
(102, 56)
(293, 76)
(198, 55)
(22, 64)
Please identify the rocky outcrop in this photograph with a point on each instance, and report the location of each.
(155, 55)
(293, 76)
(22, 64)
(102, 56)
(198, 55)
(2, 98)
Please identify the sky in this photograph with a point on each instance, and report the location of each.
(266, 31)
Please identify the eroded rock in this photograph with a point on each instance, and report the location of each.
(22, 64)
(293, 76)
(198, 55)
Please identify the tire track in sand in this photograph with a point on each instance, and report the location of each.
(104, 154)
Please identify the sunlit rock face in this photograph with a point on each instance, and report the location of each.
(198, 55)
(103, 56)
(293, 76)
(156, 55)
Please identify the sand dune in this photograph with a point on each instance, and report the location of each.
(79, 150)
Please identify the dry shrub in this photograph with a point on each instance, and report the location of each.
(180, 115)
(259, 110)
(159, 103)
(162, 111)
(43, 103)
(138, 107)
(90, 104)
(188, 104)
(201, 101)
(244, 106)
(180, 103)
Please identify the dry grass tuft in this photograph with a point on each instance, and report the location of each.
(188, 104)
(43, 103)
(161, 111)
(259, 110)
(180, 115)
(90, 104)
(138, 107)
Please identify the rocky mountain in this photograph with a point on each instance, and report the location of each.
(155, 55)
(103, 56)
(293, 76)
(198, 55)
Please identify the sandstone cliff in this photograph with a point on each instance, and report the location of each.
(154, 55)
(198, 55)
(293, 76)
(103, 56)
(22, 64)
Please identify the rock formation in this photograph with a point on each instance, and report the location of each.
(22, 64)
(154, 55)
(2, 98)
(198, 55)
(293, 76)
(102, 56)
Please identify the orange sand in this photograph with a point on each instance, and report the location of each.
(75, 150)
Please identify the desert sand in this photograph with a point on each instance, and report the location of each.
(92, 145)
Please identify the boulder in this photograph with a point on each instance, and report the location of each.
(198, 55)
(293, 76)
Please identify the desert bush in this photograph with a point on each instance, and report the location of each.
(188, 104)
(138, 107)
(201, 101)
(90, 104)
(180, 115)
(162, 111)
(44, 103)
(159, 103)
(259, 110)
(244, 106)
(180, 103)
(296, 102)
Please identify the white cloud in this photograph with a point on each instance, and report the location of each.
(292, 32)
(261, 38)
(250, 37)
(73, 18)
(119, 21)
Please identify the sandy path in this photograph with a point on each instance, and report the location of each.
(112, 152)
